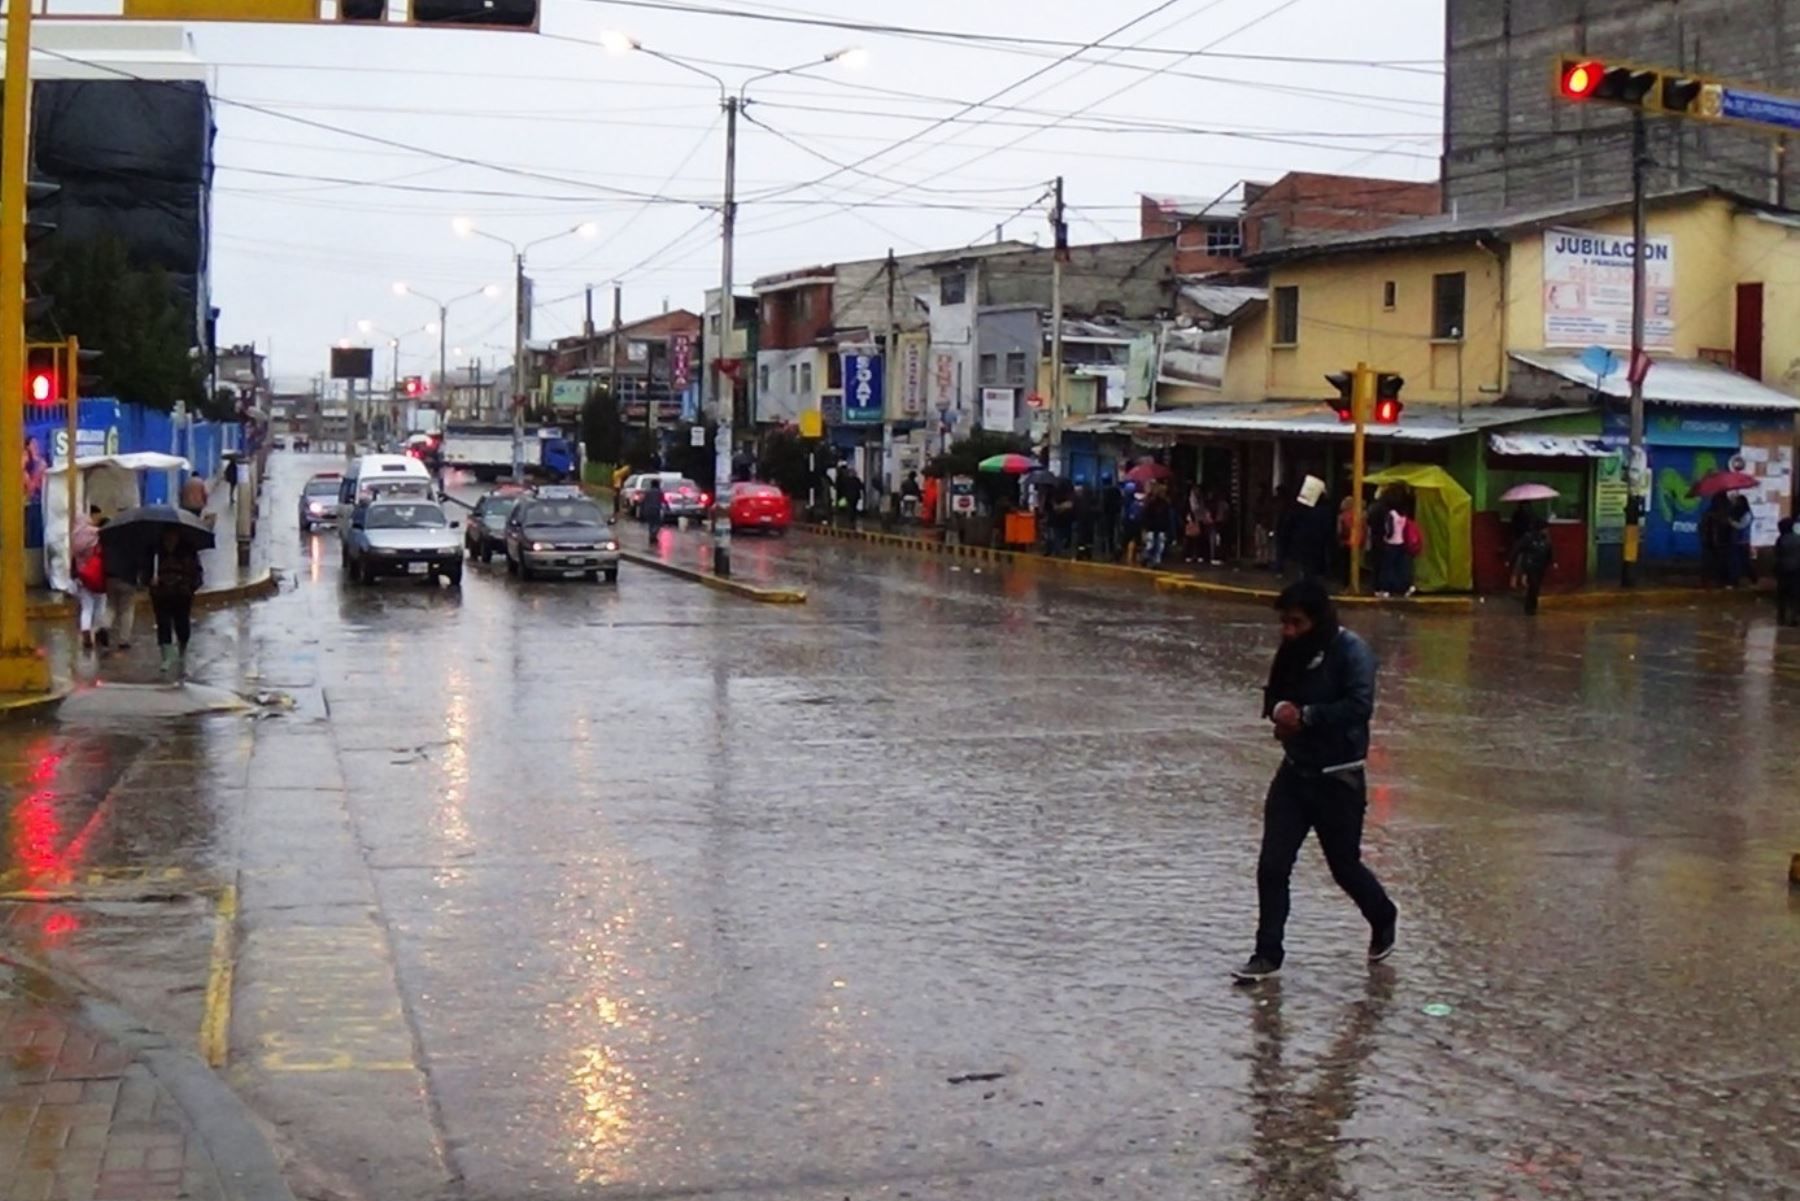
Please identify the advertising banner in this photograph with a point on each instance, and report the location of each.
(912, 398)
(1587, 290)
(863, 391)
(998, 409)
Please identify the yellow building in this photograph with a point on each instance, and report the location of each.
(1493, 322)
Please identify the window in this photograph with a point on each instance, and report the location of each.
(762, 379)
(1223, 238)
(806, 306)
(989, 372)
(1015, 368)
(794, 378)
(1447, 305)
(834, 372)
(768, 311)
(1390, 295)
(953, 289)
(1287, 316)
(806, 379)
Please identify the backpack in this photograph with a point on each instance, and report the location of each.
(91, 571)
(1535, 552)
(1415, 538)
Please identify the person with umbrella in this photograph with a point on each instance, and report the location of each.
(173, 576)
(1715, 543)
(1743, 553)
(1532, 557)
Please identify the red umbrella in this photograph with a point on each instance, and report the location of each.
(1716, 482)
(1148, 472)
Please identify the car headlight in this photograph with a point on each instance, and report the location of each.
(609, 546)
(315, 508)
(540, 546)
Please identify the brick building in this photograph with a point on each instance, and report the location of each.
(1509, 143)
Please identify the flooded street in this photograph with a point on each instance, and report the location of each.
(931, 888)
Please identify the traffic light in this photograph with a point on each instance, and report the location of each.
(1345, 403)
(475, 14)
(414, 385)
(1388, 405)
(356, 11)
(43, 380)
(1649, 89)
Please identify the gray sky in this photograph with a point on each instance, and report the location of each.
(566, 133)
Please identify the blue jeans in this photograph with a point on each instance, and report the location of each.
(1396, 570)
(1155, 543)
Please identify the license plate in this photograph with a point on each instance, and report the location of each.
(766, 520)
(418, 568)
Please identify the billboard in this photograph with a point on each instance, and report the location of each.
(352, 362)
(1587, 290)
(863, 392)
(912, 377)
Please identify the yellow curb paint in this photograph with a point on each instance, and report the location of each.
(22, 706)
(767, 596)
(215, 1025)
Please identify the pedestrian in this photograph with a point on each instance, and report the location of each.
(1262, 536)
(1062, 519)
(231, 476)
(1218, 511)
(1401, 543)
(1517, 531)
(1743, 528)
(173, 575)
(1320, 697)
(928, 500)
(1347, 550)
(1716, 555)
(651, 509)
(124, 569)
(1156, 516)
(1532, 558)
(1084, 522)
(193, 495)
(1310, 528)
(1131, 520)
(1193, 532)
(1787, 574)
(1112, 517)
(849, 495)
(87, 577)
(910, 494)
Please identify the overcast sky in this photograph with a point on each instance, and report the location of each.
(563, 132)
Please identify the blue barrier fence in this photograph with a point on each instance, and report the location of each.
(106, 427)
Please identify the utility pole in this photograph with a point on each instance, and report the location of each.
(444, 356)
(1362, 403)
(722, 433)
(618, 348)
(891, 373)
(518, 372)
(1061, 229)
(22, 669)
(587, 335)
(1634, 506)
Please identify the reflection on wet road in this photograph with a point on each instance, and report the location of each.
(648, 890)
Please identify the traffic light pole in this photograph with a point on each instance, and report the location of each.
(22, 668)
(1637, 487)
(727, 411)
(1362, 403)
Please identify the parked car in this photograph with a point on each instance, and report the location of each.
(761, 507)
(559, 531)
(485, 532)
(319, 501)
(403, 535)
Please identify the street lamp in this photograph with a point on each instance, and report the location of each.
(618, 43)
(465, 228)
(442, 325)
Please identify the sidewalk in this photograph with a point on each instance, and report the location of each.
(95, 1108)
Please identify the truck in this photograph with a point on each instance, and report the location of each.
(485, 451)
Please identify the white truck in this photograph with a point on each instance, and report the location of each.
(485, 450)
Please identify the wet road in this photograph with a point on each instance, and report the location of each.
(578, 891)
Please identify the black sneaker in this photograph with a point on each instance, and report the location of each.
(1381, 941)
(1259, 968)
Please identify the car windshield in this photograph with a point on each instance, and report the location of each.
(583, 513)
(321, 487)
(499, 506)
(405, 517)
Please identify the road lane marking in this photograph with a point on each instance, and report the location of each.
(215, 1025)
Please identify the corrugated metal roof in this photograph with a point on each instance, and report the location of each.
(1671, 381)
(1435, 423)
(1222, 300)
(1550, 446)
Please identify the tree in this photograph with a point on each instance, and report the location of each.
(963, 456)
(131, 315)
(787, 461)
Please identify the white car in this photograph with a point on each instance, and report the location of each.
(403, 535)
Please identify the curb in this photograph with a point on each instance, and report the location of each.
(767, 596)
(32, 706)
(1268, 596)
(242, 1159)
(257, 587)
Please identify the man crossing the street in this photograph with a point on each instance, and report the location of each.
(1320, 697)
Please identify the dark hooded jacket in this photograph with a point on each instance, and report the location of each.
(1330, 675)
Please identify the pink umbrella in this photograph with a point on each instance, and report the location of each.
(1529, 492)
(1723, 481)
(1148, 472)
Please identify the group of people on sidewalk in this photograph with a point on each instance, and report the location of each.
(108, 578)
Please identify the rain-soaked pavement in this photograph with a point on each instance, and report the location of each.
(929, 889)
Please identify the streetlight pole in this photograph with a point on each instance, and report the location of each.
(443, 321)
(724, 410)
(521, 314)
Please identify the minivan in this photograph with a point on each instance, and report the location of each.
(381, 475)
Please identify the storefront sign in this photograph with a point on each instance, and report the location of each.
(681, 361)
(568, 393)
(998, 408)
(912, 378)
(944, 381)
(962, 494)
(863, 391)
(1587, 289)
(1611, 495)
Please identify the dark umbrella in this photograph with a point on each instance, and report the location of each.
(141, 529)
(1716, 482)
(1040, 477)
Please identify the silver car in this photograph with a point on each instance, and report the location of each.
(319, 501)
(407, 536)
(552, 533)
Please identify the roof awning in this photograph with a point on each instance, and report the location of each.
(1550, 446)
(1693, 382)
(1280, 419)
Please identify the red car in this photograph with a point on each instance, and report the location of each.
(761, 507)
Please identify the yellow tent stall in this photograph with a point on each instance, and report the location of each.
(1445, 514)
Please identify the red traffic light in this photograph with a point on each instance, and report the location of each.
(1581, 80)
(1387, 412)
(41, 387)
(414, 385)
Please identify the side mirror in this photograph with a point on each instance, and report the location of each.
(456, 525)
